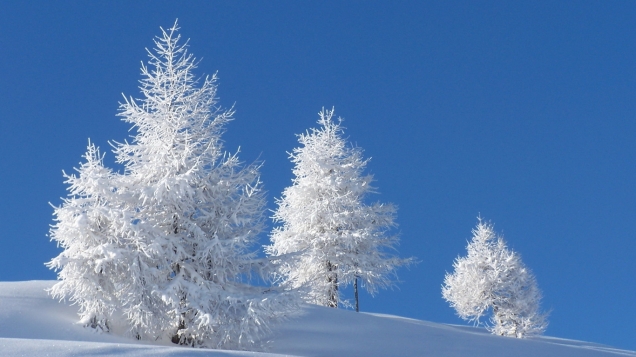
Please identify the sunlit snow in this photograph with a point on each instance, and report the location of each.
(33, 324)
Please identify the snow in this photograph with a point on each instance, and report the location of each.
(33, 324)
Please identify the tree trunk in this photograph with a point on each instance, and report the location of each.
(332, 279)
(355, 291)
(176, 339)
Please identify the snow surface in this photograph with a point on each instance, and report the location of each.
(33, 324)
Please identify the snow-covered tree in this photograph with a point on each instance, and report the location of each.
(328, 237)
(182, 220)
(92, 263)
(493, 279)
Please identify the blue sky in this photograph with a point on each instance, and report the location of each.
(522, 113)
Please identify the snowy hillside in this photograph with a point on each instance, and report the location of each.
(32, 324)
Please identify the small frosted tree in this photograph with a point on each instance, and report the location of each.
(185, 213)
(92, 263)
(492, 278)
(328, 237)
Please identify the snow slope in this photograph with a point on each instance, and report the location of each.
(33, 324)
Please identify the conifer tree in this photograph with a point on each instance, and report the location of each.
(90, 265)
(328, 237)
(186, 213)
(493, 279)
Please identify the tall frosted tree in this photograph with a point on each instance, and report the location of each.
(492, 279)
(327, 236)
(185, 216)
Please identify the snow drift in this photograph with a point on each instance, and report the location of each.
(33, 324)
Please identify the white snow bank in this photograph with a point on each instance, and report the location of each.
(57, 348)
(33, 324)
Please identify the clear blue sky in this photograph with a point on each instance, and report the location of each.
(523, 113)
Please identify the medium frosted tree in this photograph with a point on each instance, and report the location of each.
(492, 279)
(328, 237)
(185, 213)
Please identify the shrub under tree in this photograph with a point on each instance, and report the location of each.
(492, 280)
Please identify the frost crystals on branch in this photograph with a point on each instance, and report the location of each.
(493, 278)
(328, 237)
(168, 242)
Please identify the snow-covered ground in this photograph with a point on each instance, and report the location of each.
(32, 324)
